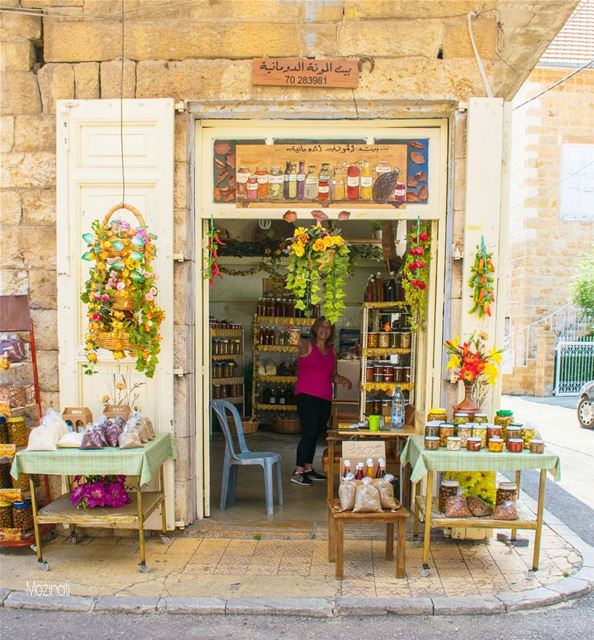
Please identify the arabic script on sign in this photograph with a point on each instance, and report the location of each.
(304, 72)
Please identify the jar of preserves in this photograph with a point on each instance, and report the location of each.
(378, 377)
(481, 418)
(262, 178)
(496, 444)
(480, 431)
(437, 414)
(461, 417)
(464, 432)
(405, 340)
(369, 373)
(515, 445)
(22, 515)
(3, 430)
(473, 444)
(494, 431)
(241, 179)
(506, 492)
(399, 374)
(432, 442)
(527, 433)
(294, 336)
(513, 431)
(275, 183)
(18, 433)
(454, 443)
(384, 340)
(389, 374)
(446, 431)
(447, 489)
(537, 446)
(5, 515)
(373, 340)
(504, 418)
(432, 429)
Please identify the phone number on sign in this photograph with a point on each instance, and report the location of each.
(305, 80)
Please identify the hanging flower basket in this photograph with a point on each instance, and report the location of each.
(120, 292)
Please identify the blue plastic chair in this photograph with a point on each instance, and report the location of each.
(234, 459)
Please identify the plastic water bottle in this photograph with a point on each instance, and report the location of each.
(397, 415)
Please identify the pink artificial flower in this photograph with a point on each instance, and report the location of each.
(105, 297)
(121, 285)
(96, 317)
(149, 297)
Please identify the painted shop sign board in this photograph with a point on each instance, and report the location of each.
(302, 174)
(305, 72)
(363, 449)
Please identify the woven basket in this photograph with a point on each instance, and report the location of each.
(107, 340)
(286, 425)
(250, 425)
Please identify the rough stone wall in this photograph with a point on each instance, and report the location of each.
(537, 377)
(201, 51)
(544, 249)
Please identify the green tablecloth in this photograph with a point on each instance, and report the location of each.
(142, 462)
(423, 460)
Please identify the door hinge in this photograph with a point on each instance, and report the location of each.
(181, 106)
(179, 372)
(179, 257)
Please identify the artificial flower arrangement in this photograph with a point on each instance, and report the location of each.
(476, 483)
(415, 274)
(211, 260)
(482, 281)
(99, 491)
(318, 267)
(121, 293)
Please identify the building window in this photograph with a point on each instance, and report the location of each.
(577, 182)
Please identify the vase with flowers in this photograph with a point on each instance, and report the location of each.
(475, 366)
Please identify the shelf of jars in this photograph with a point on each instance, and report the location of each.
(386, 386)
(285, 320)
(271, 348)
(237, 380)
(226, 333)
(384, 352)
(221, 356)
(277, 379)
(275, 407)
(227, 362)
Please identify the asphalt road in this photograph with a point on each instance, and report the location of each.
(568, 622)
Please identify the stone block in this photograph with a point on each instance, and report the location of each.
(361, 606)
(571, 588)
(88, 41)
(47, 363)
(410, 606)
(13, 282)
(310, 607)
(19, 93)
(184, 458)
(86, 80)
(195, 606)
(390, 38)
(13, 25)
(56, 82)
(36, 170)
(182, 282)
(38, 245)
(10, 207)
(182, 121)
(43, 288)
(35, 133)
(182, 243)
(111, 78)
(530, 599)
(460, 184)
(183, 351)
(39, 206)
(181, 178)
(51, 4)
(184, 426)
(11, 255)
(318, 40)
(364, 9)
(456, 40)
(183, 501)
(22, 600)
(46, 328)
(17, 55)
(6, 133)
(468, 605)
(126, 604)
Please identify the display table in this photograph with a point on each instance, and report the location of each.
(426, 462)
(141, 463)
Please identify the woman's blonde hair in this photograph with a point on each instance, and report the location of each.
(315, 328)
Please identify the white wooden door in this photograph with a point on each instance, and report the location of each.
(89, 182)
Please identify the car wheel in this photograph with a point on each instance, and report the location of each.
(585, 412)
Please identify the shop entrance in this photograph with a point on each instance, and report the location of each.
(249, 322)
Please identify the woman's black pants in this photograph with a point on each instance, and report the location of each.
(314, 414)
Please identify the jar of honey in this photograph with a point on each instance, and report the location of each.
(369, 373)
(389, 373)
(447, 489)
(445, 431)
(515, 445)
(513, 432)
(496, 444)
(494, 431)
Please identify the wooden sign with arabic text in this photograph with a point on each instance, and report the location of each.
(305, 72)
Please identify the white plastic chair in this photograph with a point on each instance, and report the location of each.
(233, 459)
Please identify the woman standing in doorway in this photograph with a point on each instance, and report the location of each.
(315, 375)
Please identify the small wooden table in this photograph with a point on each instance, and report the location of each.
(337, 520)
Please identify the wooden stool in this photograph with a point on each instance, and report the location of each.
(337, 520)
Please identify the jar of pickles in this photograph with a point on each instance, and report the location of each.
(454, 443)
(437, 414)
(513, 432)
(18, 434)
(464, 432)
(461, 417)
(432, 428)
(5, 515)
(431, 442)
(481, 418)
(480, 431)
(405, 340)
(447, 489)
(22, 515)
(536, 446)
(504, 417)
(527, 433)
(5, 477)
(506, 492)
(496, 444)
(445, 431)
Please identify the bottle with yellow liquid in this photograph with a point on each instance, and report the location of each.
(366, 188)
(370, 473)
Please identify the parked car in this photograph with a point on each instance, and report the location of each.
(585, 408)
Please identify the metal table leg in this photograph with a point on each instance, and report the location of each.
(428, 506)
(539, 518)
(43, 564)
(164, 537)
(142, 564)
(514, 532)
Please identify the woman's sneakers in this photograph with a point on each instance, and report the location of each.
(312, 474)
(301, 478)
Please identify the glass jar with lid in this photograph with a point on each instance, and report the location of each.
(504, 418)
(22, 515)
(3, 430)
(437, 414)
(5, 515)
(18, 433)
(275, 183)
(447, 489)
(506, 492)
(241, 179)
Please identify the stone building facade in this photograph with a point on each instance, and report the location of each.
(201, 51)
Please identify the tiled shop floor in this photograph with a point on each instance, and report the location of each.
(284, 568)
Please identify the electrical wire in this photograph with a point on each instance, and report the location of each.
(555, 85)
